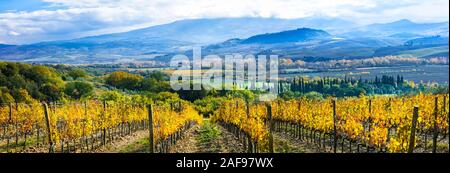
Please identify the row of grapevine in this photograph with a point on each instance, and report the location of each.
(383, 123)
(363, 124)
(84, 127)
(246, 122)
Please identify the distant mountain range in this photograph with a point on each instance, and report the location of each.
(308, 38)
(208, 31)
(403, 27)
(298, 35)
(317, 45)
(4, 45)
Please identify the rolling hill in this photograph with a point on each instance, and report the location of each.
(4, 45)
(404, 28)
(298, 35)
(303, 43)
(435, 40)
(435, 46)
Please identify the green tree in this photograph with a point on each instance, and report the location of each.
(124, 80)
(41, 82)
(192, 95)
(5, 97)
(154, 85)
(78, 90)
(313, 96)
(52, 92)
(167, 97)
(208, 105)
(111, 96)
(77, 73)
(21, 95)
(244, 94)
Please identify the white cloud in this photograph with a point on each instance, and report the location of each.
(88, 17)
(14, 33)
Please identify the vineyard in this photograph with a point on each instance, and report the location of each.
(365, 124)
(86, 126)
(390, 124)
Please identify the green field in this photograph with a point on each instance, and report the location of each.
(424, 52)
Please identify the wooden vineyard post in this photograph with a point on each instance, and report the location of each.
(10, 112)
(250, 146)
(389, 129)
(269, 113)
(104, 129)
(370, 122)
(49, 130)
(84, 127)
(334, 126)
(299, 128)
(412, 138)
(150, 127)
(448, 122)
(435, 129)
(9, 122)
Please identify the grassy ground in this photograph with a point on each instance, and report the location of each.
(140, 146)
(13, 147)
(208, 134)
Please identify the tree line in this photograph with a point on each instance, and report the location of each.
(342, 87)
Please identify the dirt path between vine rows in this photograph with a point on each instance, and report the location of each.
(118, 145)
(286, 143)
(192, 142)
(225, 142)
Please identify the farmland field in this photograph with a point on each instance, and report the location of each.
(425, 73)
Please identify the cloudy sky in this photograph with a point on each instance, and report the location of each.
(29, 21)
